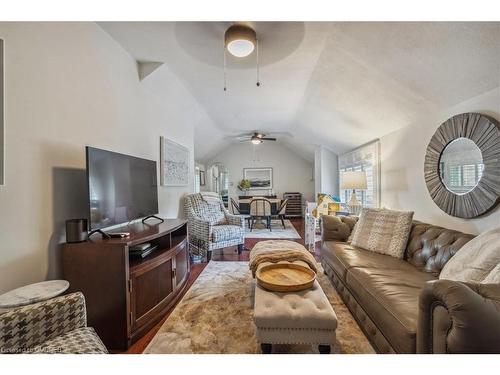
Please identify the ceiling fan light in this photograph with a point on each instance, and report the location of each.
(240, 47)
(256, 141)
(240, 40)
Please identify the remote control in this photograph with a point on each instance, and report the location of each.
(119, 234)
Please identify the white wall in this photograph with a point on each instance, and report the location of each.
(69, 85)
(402, 167)
(326, 171)
(290, 172)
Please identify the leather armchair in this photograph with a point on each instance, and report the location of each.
(457, 317)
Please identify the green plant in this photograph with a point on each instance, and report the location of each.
(244, 185)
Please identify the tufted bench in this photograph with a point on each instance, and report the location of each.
(304, 317)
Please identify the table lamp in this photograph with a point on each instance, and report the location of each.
(354, 180)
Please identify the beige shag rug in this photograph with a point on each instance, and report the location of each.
(216, 316)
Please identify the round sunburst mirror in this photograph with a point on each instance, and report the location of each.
(462, 165)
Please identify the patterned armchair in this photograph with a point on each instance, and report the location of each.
(211, 226)
(58, 325)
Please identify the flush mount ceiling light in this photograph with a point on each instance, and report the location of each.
(240, 41)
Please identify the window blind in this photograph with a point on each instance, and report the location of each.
(365, 158)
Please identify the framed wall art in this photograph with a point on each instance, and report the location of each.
(260, 178)
(174, 163)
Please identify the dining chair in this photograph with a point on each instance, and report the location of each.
(280, 212)
(260, 209)
(237, 211)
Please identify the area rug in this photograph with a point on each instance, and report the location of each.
(216, 316)
(260, 231)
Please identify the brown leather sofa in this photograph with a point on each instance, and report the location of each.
(401, 305)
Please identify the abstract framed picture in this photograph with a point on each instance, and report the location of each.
(260, 178)
(174, 163)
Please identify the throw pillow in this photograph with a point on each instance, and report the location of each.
(478, 261)
(212, 213)
(383, 231)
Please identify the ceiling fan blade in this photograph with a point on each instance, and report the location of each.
(268, 139)
(243, 138)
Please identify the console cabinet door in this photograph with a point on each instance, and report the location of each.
(151, 290)
(181, 264)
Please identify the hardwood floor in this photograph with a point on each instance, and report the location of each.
(229, 254)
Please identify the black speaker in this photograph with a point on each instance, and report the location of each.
(76, 230)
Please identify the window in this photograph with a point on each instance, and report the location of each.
(365, 158)
(464, 176)
(197, 180)
(469, 175)
(455, 175)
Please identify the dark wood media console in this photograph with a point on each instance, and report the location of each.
(126, 296)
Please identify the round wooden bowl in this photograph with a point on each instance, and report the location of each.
(285, 277)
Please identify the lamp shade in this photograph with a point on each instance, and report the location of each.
(354, 180)
(240, 40)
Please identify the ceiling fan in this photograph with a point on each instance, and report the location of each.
(255, 137)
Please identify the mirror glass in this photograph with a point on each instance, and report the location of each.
(461, 166)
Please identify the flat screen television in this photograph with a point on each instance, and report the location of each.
(121, 188)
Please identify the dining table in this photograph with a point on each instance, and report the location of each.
(244, 205)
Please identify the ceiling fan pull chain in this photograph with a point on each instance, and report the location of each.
(257, 45)
(225, 78)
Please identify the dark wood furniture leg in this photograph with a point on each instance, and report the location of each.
(282, 222)
(241, 247)
(209, 256)
(266, 348)
(324, 349)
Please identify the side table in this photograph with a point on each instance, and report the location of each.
(33, 293)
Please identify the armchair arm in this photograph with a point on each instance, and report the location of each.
(456, 317)
(32, 325)
(200, 231)
(333, 229)
(235, 220)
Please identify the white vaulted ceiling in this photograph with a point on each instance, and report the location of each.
(336, 84)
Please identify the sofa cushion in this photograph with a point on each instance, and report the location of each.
(477, 261)
(430, 247)
(389, 295)
(79, 341)
(383, 231)
(222, 233)
(342, 256)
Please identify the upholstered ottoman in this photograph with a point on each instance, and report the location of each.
(304, 317)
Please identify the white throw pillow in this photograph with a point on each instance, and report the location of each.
(383, 231)
(478, 261)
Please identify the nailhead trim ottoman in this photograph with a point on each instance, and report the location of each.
(304, 317)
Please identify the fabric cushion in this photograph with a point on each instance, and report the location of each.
(383, 231)
(478, 261)
(390, 298)
(211, 198)
(222, 233)
(79, 341)
(212, 213)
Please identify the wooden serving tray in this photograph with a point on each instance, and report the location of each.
(285, 277)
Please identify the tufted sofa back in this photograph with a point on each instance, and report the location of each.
(430, 247)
